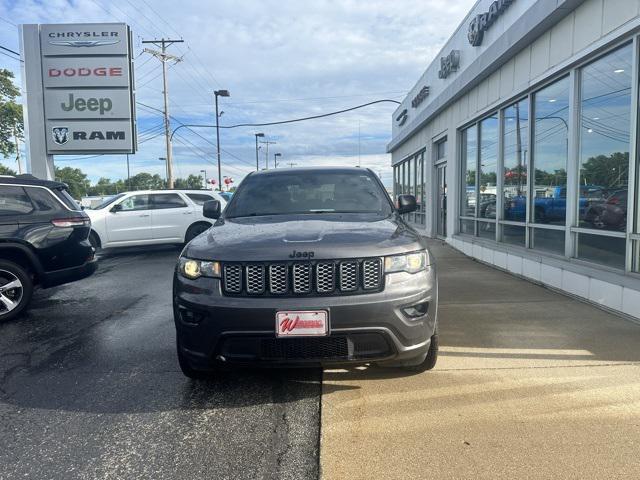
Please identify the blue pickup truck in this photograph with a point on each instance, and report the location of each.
(550, 204)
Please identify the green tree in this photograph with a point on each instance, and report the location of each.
(11, 123)
(146, 181)
(76, 179)
(609, 171)
(192, 182)
(6, 170)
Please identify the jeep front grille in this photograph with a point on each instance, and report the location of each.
(303, 278)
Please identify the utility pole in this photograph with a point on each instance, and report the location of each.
(358, 143)
(128, 174)
(266, 155)
(262, 136)
(291, 164)
(165, 57)
(17, 142)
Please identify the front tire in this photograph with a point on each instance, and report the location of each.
(16, 289)
(431, 358)
(188, 370)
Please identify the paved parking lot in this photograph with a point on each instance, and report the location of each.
(90, 388)
(530, 384)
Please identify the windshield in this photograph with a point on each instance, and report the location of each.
(108, 201)
(309, 192)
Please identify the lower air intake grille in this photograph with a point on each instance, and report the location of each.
(304, 348)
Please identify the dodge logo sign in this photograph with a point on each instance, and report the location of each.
(60, 135)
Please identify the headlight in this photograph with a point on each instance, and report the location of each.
(198, 268)
(411, 263)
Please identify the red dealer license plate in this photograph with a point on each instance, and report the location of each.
(307, 323)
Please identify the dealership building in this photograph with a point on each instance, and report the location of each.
(520, 144)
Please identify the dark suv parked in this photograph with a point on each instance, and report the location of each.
(43, 240)
(307, 267)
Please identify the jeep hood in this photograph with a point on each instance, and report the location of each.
(328, 236)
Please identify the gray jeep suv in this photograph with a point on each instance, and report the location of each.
(309, 266)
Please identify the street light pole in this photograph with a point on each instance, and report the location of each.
(217, 93)
(266, 154)
(128, 173)
(258, 135)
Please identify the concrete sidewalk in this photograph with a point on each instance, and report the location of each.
(529, 384)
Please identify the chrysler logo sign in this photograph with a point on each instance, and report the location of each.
(83, 43)
(482, 22)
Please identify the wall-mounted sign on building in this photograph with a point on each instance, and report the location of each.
(420, 97)
(85, 74)
(449, 64)
(483, 21)
(402, 117)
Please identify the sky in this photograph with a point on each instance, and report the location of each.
(279, 59)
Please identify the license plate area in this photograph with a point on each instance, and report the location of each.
(302, 323)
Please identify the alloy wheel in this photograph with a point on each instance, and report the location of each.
(11, 291)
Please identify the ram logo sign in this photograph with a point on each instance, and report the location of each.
(60, 135)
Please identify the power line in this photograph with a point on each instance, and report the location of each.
(8, 21)
(9, 50)
(12, 57)
(313, 117)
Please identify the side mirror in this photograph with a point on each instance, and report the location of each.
(211, 209)
(116, 208)
(407, 204)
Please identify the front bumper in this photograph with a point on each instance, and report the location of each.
(373, 327)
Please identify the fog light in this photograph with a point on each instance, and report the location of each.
(190, 316)
(417, 310)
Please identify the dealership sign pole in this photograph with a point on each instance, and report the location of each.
(78, 84)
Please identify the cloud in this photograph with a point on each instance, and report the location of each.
(280, 60)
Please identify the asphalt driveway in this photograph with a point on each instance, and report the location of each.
(90, 388)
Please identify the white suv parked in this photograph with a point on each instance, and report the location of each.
(150, 217)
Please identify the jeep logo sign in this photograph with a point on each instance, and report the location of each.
(87, 104)
(449, 64)
(482, 22)
(100, 105)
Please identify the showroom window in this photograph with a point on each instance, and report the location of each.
(515, 139)
(480, 144)
(548, 205)
(488, 177)
(605, 138)
(522, 176)
(468, 200)
(409, 179)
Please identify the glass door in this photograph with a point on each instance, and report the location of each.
(441, 204)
